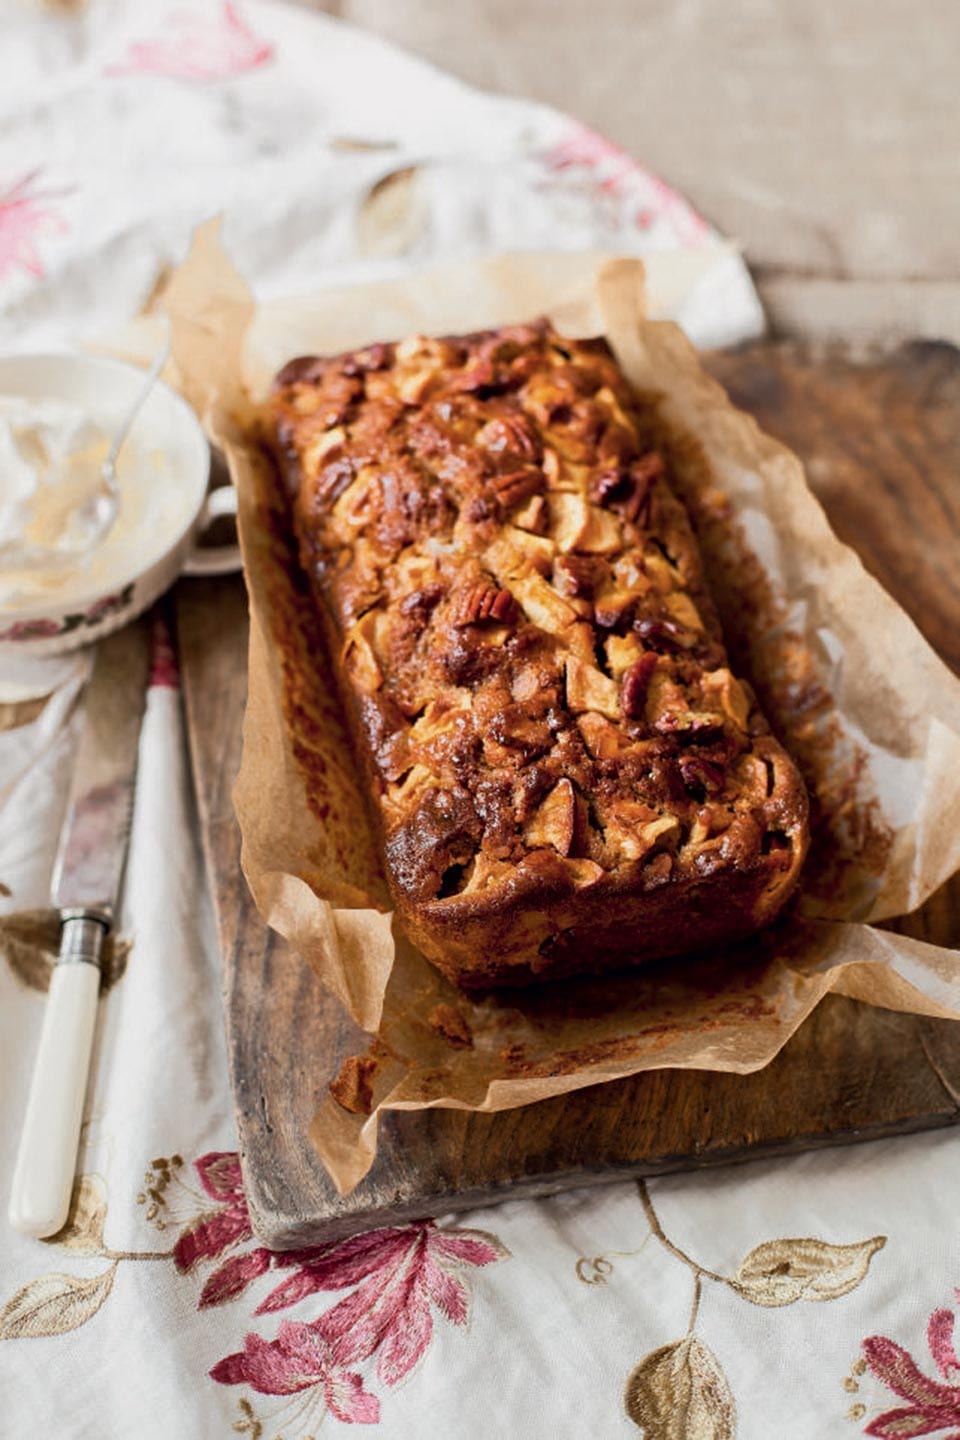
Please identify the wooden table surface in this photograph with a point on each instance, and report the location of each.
(881, 439)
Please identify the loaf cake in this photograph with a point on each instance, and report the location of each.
(564, 773)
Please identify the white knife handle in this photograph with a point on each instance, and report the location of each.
(47, 1158)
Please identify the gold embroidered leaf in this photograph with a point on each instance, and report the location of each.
(778, 1272)
(679, 1392)
(54, 1304)
(83, 1231)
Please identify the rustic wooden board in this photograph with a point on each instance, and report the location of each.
(882, 441)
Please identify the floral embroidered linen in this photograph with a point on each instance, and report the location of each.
(814, 1297)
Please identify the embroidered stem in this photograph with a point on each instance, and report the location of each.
(700, 1271)
(596, 1269)
(695, 1307)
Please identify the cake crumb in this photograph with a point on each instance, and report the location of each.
(353, 1087)
(448, 1022)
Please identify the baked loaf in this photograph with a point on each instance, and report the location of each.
(567, 776)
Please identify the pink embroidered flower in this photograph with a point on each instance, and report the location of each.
(193, 48)
(616, 173)
(400, 1274)
(219, 1230)
(940, 1340)
(300, 1358)
(933, 1407)
(23, 219)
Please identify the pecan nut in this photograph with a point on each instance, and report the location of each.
(633, 694)
(421, 603)
(375, 357)
(665, 633)
(480, 375)
(628, 488)
(509, 434)
(607, 484)
(575, 576)
(701, 777)
(483, 602)
(516, 485)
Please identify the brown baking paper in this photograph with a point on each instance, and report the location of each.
(866, 707)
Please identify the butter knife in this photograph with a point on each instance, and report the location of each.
(85, 889)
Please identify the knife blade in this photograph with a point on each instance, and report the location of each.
(93, 840)
(87, 877)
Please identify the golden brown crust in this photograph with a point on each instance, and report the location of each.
(568, 776)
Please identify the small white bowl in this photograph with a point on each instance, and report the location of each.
(104, 390)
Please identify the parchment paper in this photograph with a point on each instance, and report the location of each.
(866, 707)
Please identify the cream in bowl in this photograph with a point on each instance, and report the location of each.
(58, 416)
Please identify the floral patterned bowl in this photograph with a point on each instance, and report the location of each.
(165, 428)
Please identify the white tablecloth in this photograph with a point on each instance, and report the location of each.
(805, 1298)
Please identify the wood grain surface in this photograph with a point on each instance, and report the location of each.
(881, 438)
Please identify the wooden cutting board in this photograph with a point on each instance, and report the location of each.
(881, 438)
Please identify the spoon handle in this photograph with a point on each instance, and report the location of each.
(149, 380)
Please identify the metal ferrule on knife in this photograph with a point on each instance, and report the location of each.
(81, 939)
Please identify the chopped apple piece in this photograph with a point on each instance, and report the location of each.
(589, 689)
(615, 411)
(307, 399)
(400, 798)
(585, 872)
(634, 828)
(318, 450)
(505, 559)
(631, 575)
(667, 827)
(665, 578)
(664, 695)
(601, 535)
(352, 508)
(579, 639)
(530, 680)
(751, 776)
(532, 515)
(568, 519)
(575, 525)
(600, 737)
(412, 571)
(439, 716)
(538, 549)
(555, 821)
(542, 604)
(486, 873)
(610, 607)
(414, 347)
(722, 687)
(359, 656)
(622, 650)
(412, 388)
(683, 610)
